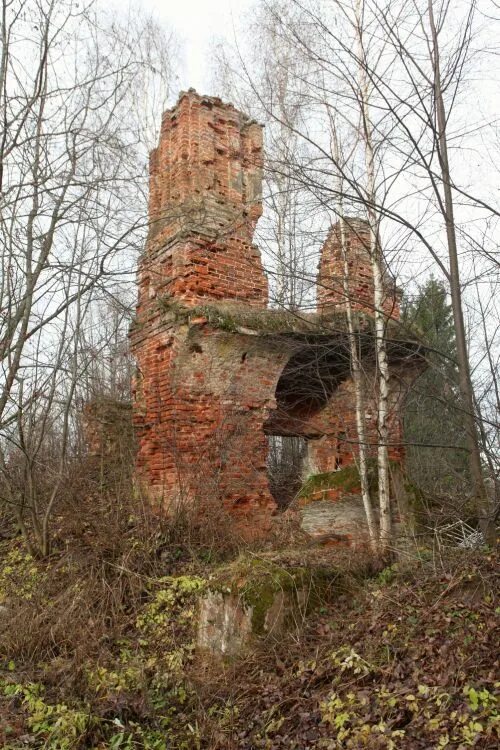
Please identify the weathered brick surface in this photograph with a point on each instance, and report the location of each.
(207, 396)
(332, 291)
(339, 446)
(205, 200)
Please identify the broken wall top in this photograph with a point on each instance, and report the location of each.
(209, 161)
(350, 241)
(205, 200)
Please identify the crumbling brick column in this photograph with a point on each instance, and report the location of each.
(332, 293)
(205, 200)
(340, 447)
(200, 397)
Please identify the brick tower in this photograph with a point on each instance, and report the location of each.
(198, 435)
(205, 200)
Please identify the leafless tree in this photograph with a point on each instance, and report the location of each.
(435, 86)
(73, 176)
(399, 92)
(252, 81)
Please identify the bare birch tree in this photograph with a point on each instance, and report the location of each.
(355, 356)
(407, 82)
(384, 498)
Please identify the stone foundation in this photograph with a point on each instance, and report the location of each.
(258, 598)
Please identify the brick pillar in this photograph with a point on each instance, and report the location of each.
(197, 414)
(205, 200)
(331, 292)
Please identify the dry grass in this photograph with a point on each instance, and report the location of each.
(426, 621)
(107, 549)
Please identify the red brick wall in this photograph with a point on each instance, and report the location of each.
(340, 446)
(201, 401)
(331, 289)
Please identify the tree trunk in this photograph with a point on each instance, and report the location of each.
(385, 522)
(359, 399)
(465, 380)
(356, 370)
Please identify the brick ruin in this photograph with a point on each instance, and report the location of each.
(331, 291)
(218, 372)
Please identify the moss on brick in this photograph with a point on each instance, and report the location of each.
(233, 317)
(346, 479)
(238, 318)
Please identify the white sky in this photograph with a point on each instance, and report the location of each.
(197, 23)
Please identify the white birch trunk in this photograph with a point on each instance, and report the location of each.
(378, 299)
(356, 369)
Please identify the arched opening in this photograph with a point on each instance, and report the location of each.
(310, 377)
(305, 387)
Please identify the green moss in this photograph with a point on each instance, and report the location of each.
(261, 589)
(346, 479)
(234, 317)
(256, 582)
(260, 598)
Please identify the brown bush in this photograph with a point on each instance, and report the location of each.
(108, 546)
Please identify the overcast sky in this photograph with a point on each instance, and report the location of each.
(197, 23)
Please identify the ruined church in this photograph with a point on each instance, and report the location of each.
(219, 372)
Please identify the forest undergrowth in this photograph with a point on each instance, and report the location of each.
(97, 645)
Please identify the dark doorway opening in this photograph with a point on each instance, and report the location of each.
(307, 383)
